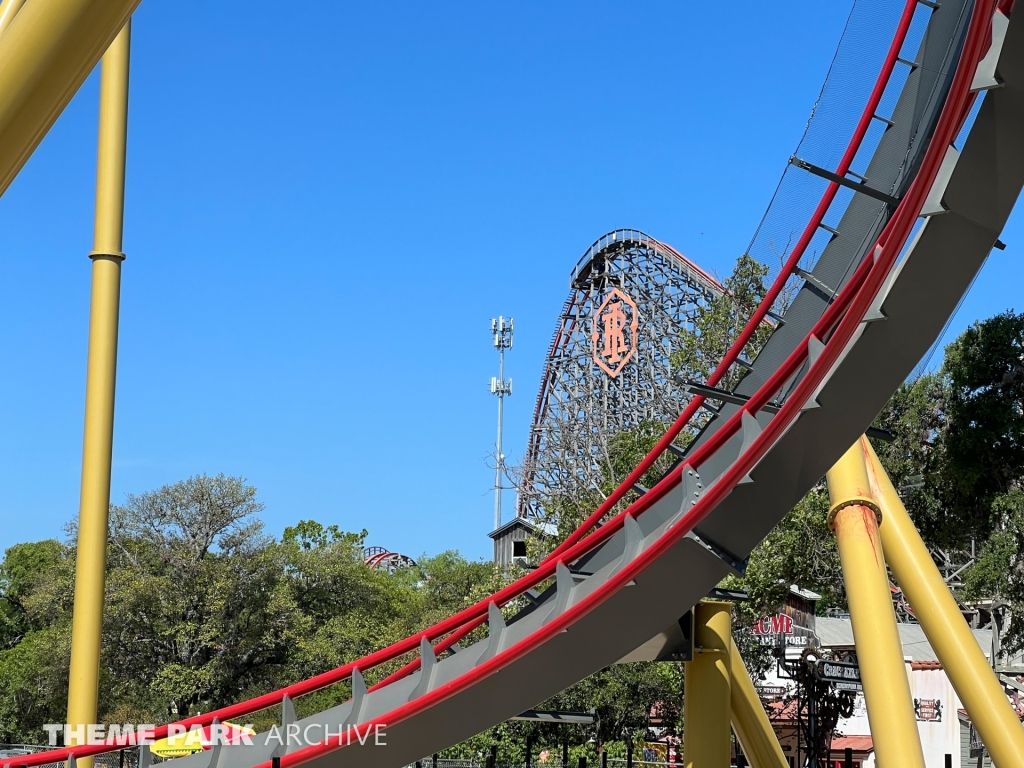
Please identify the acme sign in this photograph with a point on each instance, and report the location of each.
(613, 338)
(779, 624)
(845, 675)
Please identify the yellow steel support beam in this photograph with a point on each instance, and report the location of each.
(854, 518)
(943, 624)
(8, 10)
(83, 688)
(706, 737)
(749, 720)
(45, 55)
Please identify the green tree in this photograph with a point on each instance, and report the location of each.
(632, 703)
(984, 435)
(195, 595)
(719, 325)
(800, 550)
(447, 583)
(344, 610)
(564, 512)
(633, 699)
(24, 569)
(959, 434)
(34, 684)
(204, 609)
(36, 631)
(915, 458)
(999, 570)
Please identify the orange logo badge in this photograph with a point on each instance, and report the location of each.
(614, 337)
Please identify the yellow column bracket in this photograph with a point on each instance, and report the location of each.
(856, 501)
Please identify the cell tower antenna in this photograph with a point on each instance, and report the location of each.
(501, 330)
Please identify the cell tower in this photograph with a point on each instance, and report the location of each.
(501, 330)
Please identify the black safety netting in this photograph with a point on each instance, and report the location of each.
(884, 162)
(848, 85)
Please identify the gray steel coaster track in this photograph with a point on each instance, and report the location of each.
(662, 575)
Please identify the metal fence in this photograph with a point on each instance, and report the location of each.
(126, 758)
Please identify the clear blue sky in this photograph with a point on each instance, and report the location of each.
(326, 204)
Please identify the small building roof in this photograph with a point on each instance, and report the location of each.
(806, 594)
(515, 522)
(838, 633)
(862, 744)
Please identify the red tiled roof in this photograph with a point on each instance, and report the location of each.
(781, 711)
(856, 743)
(931, 665)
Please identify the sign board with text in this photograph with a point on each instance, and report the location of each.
(928, 710)
(780, 629)
(844, 675)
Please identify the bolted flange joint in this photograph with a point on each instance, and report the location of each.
(116, 255)
(854, 502)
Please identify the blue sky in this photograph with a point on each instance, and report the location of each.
(326, 206)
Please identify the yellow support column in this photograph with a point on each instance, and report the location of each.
(46, 53)
(8, 10)
(943, 624)
(854, 517)
(706, 737)
(90, 567)
(749, 720)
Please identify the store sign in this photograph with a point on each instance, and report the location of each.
(844, 675)
(779, 624)
(780, 630)
(928, 710)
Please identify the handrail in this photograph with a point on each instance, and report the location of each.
(844, 315)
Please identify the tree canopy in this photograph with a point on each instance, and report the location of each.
(719, 325)
(204, 609)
